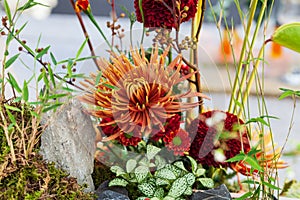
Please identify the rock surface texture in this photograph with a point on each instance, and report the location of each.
(104, 192)
(69, 140)
(219, 193)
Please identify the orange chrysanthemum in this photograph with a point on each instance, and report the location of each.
(82, 5)
(138, 96)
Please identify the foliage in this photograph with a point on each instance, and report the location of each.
(156, 179)
(291, 189)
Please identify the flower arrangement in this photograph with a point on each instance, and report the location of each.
(148, 106)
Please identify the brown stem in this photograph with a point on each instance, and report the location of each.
(113, 15)
(197, 81)
(85, 34)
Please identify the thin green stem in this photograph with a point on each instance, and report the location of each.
(251, 78)
(91, 17)
(242, 56)
(143, 19)
(245, 73)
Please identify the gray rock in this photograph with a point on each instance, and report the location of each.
(104, 186)
(112, 195)
(69, 141)
(219, 193)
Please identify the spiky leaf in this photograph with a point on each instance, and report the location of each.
(178, 187)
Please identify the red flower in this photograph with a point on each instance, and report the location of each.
(164, 14)
(171, 128)
(217, 130)
(180, 143)
(82, 5)
(126, 139)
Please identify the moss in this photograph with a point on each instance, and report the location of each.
(38, 180)
(101, 173)
(31, 177)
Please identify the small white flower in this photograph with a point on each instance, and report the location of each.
(219, 155)
(215, 119)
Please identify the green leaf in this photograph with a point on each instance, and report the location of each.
(159, 193)
(271, 185)
(238, 157)
(14, 83)
(160, 162)
(180, 165)
(12, 108)
(152, 151)
(288, 35)
(288, 93)
(245, 196)
(57, 96)
(200, 172)
(147, 189)
(169, 198)
(117, 170)
(206, 182)
(98, 77)
(81, 49)
(43, 52)
(190, 179)
(165, 174)
(11, 61)
(188, 191)
(52, 107)
(161, 181)
(193, 163)
(118, 182)
(30, 4)
(130, 165)
(11, 117)
(54, 61)
(141, 173)
(7, 11)
(51, 76)
(178, 187)
(25, 93)
(253, 163)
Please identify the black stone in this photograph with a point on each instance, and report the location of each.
(219, 193)
(112, 195)
(104, 192)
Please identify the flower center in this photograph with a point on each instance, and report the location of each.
(177, 141)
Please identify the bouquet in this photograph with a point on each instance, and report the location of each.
(153, 128)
